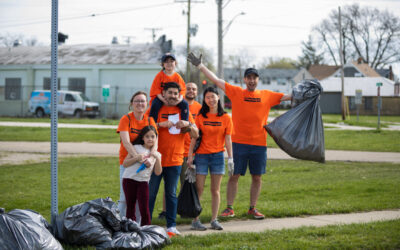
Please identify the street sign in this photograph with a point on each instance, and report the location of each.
(358, 99)
(106, 90)
(378, 84)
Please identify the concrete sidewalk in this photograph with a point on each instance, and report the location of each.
(295, 222)
(112, 149)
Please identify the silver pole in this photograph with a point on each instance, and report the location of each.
(54, 113)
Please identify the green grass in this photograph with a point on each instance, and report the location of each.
(372, 140)
(290, 188)
(97, 121)
(364, 120)
(377, 235)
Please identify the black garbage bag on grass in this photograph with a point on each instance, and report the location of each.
(300, 131)
(188, 201)
(98, 223)
(26, 229)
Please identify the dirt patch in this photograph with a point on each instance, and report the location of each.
(8, 158)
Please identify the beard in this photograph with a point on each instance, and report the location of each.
(189, 98)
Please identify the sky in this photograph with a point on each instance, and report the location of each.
(269, 28)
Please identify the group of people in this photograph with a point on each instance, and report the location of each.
(160, 142)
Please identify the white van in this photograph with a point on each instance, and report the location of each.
(69, 103)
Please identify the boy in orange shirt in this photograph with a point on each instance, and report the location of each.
(167, 74)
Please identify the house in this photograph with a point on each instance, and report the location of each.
(321, 72)
(331, 96)
(87, 68)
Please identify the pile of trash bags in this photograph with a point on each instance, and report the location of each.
(95, 223)
(300, 131)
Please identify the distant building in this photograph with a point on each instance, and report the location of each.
(86, 68)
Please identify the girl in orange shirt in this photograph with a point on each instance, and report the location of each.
(216, 127)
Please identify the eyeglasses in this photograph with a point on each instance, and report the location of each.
(139, 101)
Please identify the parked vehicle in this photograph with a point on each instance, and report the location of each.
(73, 103)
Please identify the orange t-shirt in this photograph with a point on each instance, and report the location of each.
(250, 111)
(194, 108)
(135, 126)
(161, 79)
(213, 128)
(170, 146)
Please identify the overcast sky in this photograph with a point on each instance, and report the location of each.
(269, 28)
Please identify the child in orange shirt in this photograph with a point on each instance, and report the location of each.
(167, 74)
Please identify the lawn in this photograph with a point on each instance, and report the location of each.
(290, 188)
(370, 140)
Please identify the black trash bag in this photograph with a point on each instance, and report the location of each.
(188, 201)
(300, 131)
(25, 229)
(98, 223)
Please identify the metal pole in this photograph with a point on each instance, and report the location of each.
(358, 109)
(220, 45)
(379, 107)
(341, 66)
(188, 43)
(54, 113)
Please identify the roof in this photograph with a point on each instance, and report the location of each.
(366, 84)
(365, 69)
(322, 71)
(83, 54)
(277, 73)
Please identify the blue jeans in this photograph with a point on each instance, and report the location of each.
(254, 156)
(171, 177)
(214, 161)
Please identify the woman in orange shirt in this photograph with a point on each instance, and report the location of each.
(216, 127)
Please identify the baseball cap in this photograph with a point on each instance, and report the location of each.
(250, 71)
(166, 56)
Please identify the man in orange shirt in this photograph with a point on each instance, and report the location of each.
(250, 109)
(171, 147)
(194, 108)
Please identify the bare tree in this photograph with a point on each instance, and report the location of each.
(278, 63)
(367, 32)
(10, 40)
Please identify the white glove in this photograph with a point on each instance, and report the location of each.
(190, 174)
(231, 166)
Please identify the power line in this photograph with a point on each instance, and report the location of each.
(88, 16)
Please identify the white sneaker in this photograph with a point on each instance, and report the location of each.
(173, 230)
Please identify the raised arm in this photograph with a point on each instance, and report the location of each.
(196, 61)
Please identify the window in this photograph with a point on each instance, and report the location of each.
(368, 103)
(47, 83)
(266, 80)
(69, 98)
(352, 103)
(13, 89)
(77, 84)
(281, 81)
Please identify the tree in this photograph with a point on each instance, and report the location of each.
(10, 40)
(278, 63)
(367, 32)
(310, 55)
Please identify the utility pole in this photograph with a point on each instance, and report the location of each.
(188, 43)
(153, 32)
(220, 72)
(341, 66)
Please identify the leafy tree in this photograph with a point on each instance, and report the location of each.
(310, 55)
(367, 32)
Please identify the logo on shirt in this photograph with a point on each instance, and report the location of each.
(214, 124)
(251, 99)
(135, 131)
(165, 116)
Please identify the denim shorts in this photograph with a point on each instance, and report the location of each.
(215, 162)
(253, 156)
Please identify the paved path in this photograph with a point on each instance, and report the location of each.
(296, 222)
(111, 149)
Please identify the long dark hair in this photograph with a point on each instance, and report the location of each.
(139, 139)
(205, 109)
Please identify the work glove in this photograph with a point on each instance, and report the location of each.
(231, 166)
(193, 59)
(190, 174)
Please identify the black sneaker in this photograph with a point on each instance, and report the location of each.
(162, 215)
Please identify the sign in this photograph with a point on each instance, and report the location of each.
(378, 84)
(358, 99)
(106, 90)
